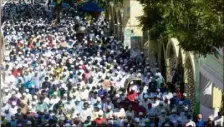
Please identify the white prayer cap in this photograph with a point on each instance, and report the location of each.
(55, 93)
(100, 113)
(184, 94)
(131, 82)
(158, 90)
(210, 118)
(117, 95)
(35, 97)
(70, 80)
(98, 99)
(118, 67)
(14, 103)
(13, 92)
(34, 103)
(166, 125)
(41, 110)
(27, 90)
(30, 107)
(81, 62)
(24, 94)
(174, 94)
(185, 108)
(139, 74)
(140, 113)
(29, 122)
(109, 107)
(6, 90)
(136, 119)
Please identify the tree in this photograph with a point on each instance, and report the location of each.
(197, 24)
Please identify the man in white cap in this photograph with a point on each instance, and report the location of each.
(190, 122)
(219, 120)
(210, 122)
(141, 119)
(13, 109)
(100, 120)
(29, 123)
(86, 111)
(6, 97)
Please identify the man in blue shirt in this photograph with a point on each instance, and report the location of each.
(199, 122)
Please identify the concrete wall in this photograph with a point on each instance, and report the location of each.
(136, 11)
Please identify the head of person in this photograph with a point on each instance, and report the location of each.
(29, 123)
(100, 114)
(108, 108)
(184, 95)
(189, 117)
(210, 118)
(199, 117)
(46, 78)
(220, 114)
(140, 114)
(86, 105)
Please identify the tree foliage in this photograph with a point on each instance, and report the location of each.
(197, 24)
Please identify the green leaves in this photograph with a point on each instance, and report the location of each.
(197, 24)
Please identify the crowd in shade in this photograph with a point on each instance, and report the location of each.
(57, 77)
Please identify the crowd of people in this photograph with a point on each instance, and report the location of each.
(56, 76)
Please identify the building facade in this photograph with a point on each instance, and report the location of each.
(210, 80)
(198, 76)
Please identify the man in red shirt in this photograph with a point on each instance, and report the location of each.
(132, 95)
(100, 120)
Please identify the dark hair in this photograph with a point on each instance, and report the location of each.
(46, 78)
(188, 116)
(179, 125)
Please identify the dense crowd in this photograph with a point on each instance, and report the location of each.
(56, 76)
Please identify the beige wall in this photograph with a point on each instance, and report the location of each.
(136, 11)
(132, 10)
